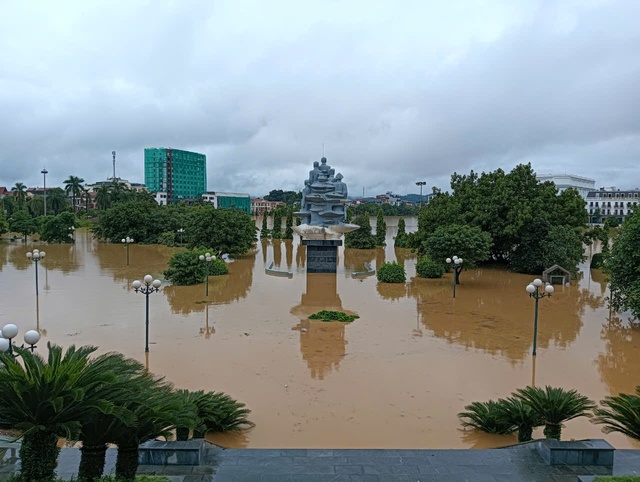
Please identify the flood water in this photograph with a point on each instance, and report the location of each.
(394, 378)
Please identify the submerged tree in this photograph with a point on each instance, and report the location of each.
(381, 229)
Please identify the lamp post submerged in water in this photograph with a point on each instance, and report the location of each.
(456, 264)
(10, 331)
(127, 241)
(147, 286)
(535, 291)
(35, 256)
(207, 257)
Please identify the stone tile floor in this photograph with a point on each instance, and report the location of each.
(514, 464)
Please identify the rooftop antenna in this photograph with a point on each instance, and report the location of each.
(113, 153)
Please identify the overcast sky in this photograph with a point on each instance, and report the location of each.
(398, 91)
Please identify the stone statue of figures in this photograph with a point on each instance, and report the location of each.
(323, 197)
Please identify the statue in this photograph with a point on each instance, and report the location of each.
(323, 209)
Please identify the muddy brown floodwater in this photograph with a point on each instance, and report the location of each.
(394, 378)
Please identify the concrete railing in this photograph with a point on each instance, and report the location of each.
(274, 272)
(361, 274)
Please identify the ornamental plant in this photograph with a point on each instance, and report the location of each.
(392, 273)
(427, 268)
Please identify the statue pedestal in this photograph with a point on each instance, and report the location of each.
(322, 255)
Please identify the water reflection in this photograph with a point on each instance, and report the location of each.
(288, 246)
(619, 365)
(143, 259)
(323, 344)
(223, 289)
(354, 259)
(277, 252)
(301, 255)
(492, 313)
(392, 291)
(3, 253)
(208, 330)
(380, 257)
(403, 254)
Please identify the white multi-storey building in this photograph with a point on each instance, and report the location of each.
(583, 185)
(611, 202)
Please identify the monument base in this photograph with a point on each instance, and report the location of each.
(322, 255)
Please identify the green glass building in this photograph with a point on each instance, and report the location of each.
(181, 174)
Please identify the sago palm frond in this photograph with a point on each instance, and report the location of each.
(622, 414)
(487, 417)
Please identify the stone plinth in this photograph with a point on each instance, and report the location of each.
(576, 452)
(322, 255)
(158, 452)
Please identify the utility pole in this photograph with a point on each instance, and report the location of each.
(44, 173)
(113, 153)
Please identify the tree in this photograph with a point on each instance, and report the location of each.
(264, 232)
(55, 229)
(4, 224)
(44, 399)
(288, 197)
(521, 415)
(276, 232)
(73, 187)
(427, 268)
(555, 406)
(143, 221)
(185, 267)
(20, 193)
(360, 238)
(391, 273)
(381, 229)
(622, 265)
(57, 200)
(103, 197)
(401, 239)
(487, 417)
(227, 230)
(36, 205)
(467, 242)
(621, 414)
(22, 222)
(288, 232)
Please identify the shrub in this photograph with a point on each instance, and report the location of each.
(168, 238)
(325, 315)
(185, 267)
(392, 273)
(427, 268)
(597, 261)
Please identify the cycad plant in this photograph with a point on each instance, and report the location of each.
(621, 414)
(44, 399)
(158, 411)
(213, 412)
(487, 417)
(555, 406)
(96, 427)
(519, 414)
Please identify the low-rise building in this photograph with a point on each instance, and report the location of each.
(611, 202)
(259, 206)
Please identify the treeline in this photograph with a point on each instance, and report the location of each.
(229, 231)
(504, 217)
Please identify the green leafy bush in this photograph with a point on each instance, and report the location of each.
(392, 273)
(401, 239)
(427, 268)
(360, 238)
(597, 261)
(185, 267)
(168, 238)
(326, 315)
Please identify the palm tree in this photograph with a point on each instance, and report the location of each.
(555, 406)
(57, 200)
(20, 193)
(621, 415)
(44, 399)
(487, 417)
(103, 197)
(73, 187)
(521, 415)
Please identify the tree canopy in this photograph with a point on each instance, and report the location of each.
(288, 197)
(622, 265)
(506, 206)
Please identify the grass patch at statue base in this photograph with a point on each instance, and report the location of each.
(325, 315)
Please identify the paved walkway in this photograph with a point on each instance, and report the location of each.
(515, 464)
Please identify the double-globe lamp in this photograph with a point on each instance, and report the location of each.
(127, 241)
(147, 286)
(208, 258)
(456, 264)
(535, 291)
(36, 256)
(10, 331)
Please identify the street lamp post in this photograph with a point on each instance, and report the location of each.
(71, 231)
(10, 331)
(421, 183)
(181, 231)
(36, 256)
(456, 264)
(535, 291)
(207, 258)
(127, 241)
(147, 286)
(44, 173)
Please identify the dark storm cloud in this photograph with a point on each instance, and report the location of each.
(397, 93)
